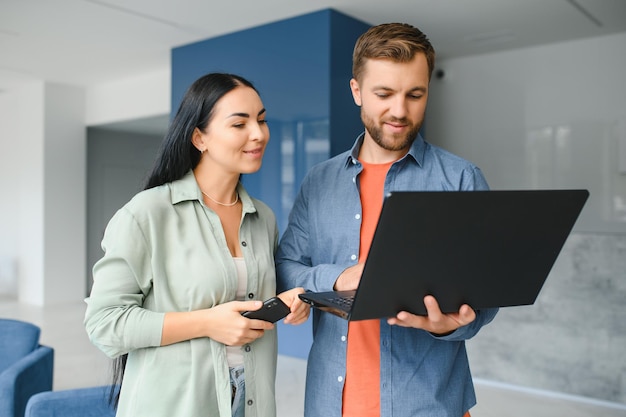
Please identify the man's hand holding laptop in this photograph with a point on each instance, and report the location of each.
(435, 322)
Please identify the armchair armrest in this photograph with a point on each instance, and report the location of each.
(30, 375)
(80, 402)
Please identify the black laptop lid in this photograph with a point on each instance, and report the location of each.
(483, 248)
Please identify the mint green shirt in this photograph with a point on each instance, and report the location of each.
(165, 251)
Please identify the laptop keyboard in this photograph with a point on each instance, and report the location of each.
(343, 301)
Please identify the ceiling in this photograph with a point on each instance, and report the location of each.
(86, 42)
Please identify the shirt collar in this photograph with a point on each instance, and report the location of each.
(417, 151)
(186, 189)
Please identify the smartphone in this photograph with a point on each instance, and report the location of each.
(273, 310)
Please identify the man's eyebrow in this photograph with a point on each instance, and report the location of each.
(382, 87)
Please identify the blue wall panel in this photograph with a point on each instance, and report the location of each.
(302, 67)
(345, 121)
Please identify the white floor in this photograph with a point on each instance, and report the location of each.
(79, 364)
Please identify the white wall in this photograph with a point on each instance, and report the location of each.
(9, 165)
(65, 195)
(43, 177)
(21, 168)
(28, 177)
(551, 117)
(132, 98)
(544, 117)
(43, 208)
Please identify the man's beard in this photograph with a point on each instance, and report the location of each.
(396, 142)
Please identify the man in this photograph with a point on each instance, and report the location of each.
(406, 365)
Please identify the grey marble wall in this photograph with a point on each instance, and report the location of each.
(573, 339)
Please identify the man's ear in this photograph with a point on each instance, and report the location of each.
(356, 91)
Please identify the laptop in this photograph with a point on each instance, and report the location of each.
(482, 248)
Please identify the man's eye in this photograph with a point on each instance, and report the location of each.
(382, 95)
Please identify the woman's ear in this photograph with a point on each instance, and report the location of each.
(197, 139)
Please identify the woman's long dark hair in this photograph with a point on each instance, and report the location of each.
(178, 155)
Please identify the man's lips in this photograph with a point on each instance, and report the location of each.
(396, 127)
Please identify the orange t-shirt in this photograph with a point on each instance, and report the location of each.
(361, 390)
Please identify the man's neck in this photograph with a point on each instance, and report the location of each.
(373, 153)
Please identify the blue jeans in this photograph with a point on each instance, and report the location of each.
(238, 385)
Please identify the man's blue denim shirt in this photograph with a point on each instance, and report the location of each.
(421, 374)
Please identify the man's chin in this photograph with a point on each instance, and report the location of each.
(395, 143)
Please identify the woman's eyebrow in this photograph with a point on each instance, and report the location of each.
(246, 114)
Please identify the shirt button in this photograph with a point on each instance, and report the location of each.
(250, 402)
(247, 348)
(354, 161)
(339, 378)
(243, 243)
(354, 180)
(358, 216)
(251, 295)
(343, 338)
(353, 257)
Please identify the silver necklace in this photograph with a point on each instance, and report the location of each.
(220, 203)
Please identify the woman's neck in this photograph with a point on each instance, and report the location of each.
(219, 186)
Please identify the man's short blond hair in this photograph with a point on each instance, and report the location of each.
(399, 42)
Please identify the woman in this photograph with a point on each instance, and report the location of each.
(184, 258)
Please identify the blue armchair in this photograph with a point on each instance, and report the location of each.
(26, 367)
(80, 402)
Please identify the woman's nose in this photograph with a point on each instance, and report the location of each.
(259, 132)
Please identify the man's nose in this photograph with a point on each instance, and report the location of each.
(398, 108)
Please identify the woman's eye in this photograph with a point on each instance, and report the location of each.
(262, 122)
